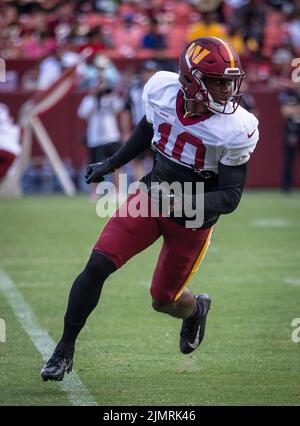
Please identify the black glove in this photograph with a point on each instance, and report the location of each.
(96, 172)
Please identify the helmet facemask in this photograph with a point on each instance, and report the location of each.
(200, 92)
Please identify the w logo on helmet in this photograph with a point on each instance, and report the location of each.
(195, 54)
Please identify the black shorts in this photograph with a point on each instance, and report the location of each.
(101, 152)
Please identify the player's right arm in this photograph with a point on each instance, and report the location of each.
(138, 142)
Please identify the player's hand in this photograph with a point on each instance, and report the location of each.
(96, 172)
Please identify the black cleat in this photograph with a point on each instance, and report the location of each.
(193, 329)
(61, 361)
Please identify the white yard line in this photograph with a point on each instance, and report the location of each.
(77, 393)
(272, 223)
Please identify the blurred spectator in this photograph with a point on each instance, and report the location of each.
(29, 80)
(284, 6)
(247, 100)
(63, 21)
(107, 70)
(153, 39)
(275, 31)
(254, 25)
(103, 137)
(97, 68)
(38, 20)
(289, 100)
(96, 41)
(36, 45)
(9, 141)
(10, 14)
(134, 102)
(236, 4)
(281, 59)
(135, 110)
(207, 27)
(293, 30)
(205, 6)
(236, 39)
(249, 16)
(127, 36)
(51, 68)
(106, 6)
(10, 41)
(90, 76)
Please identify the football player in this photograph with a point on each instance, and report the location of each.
(200, 134)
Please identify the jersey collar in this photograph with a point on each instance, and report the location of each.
(180, 112)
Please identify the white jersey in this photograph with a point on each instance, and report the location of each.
(196, 142)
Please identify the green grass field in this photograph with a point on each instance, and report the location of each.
(128, 354)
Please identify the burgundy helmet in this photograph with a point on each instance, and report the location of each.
(210, 57)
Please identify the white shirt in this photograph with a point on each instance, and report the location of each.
(50, 70)
(200, 142)
(102, 125)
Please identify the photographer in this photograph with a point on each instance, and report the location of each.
(100, 109)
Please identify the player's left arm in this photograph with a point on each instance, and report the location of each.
(232, 169)
(231, 184)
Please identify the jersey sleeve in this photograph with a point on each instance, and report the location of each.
(242, 143)
(158, 92)
(147, 95)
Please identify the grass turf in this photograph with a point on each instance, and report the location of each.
(128, 354)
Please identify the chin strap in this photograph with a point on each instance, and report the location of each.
(189, 114)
